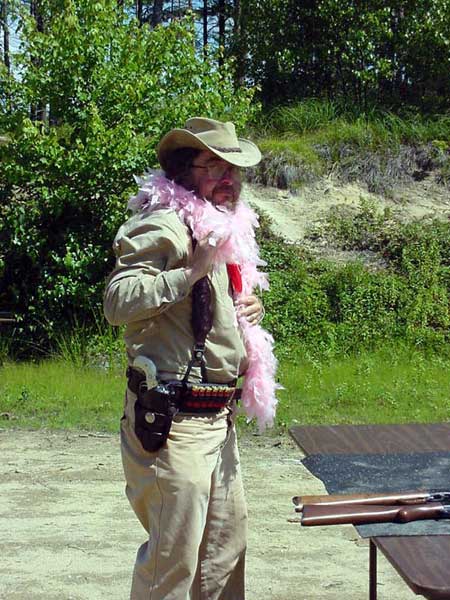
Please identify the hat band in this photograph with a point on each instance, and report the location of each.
(222, 149)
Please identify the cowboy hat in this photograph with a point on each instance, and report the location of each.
(208, 134)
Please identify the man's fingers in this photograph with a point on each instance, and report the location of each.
(212, 239)
(249, 301)
(249, 310)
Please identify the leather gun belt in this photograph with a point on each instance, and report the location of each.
(187, 397)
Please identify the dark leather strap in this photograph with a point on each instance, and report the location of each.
(201, 320)
(202, 312)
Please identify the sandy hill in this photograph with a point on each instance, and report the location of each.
(296, 215)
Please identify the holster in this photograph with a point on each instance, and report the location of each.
(153, 413)
(155, 408)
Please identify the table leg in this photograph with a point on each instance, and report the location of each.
(372, 571)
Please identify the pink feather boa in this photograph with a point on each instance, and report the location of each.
(234, 236)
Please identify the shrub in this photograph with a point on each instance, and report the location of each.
(367, 228)
(325, 308)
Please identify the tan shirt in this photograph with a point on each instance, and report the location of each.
(149, 293)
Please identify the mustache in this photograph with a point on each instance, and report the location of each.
(224, 188)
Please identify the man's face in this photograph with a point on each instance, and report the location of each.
(215, 179)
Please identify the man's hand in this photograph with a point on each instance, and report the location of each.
(202, 260)
(251, 308)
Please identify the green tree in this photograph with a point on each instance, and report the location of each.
(110, 89)
(377, 52)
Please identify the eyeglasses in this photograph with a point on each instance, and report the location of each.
(217, 170)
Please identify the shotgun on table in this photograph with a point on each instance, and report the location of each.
(360, 509)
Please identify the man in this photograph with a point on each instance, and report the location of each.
(185, 271)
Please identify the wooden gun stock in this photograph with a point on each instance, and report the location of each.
(321, 514)
(361, 499)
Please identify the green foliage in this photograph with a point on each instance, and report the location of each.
(366, 305)
(305, 116)
(329, 309)
(84, 346)
(102, 92)
(285, 165)
(367, 228)
(330, 122)
(382, 54)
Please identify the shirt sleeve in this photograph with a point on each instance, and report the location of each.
(149, 276)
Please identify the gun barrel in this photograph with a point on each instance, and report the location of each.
(7, 317)
(319, 514)
(361, 499)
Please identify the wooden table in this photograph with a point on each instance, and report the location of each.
(422, 561)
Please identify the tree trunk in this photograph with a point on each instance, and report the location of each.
(35, 11)
(157, 14)
(38, 111)
(238, 42)
(139, 11)
(4, 19)
(397, 55)
(221, 19)
(205, 28)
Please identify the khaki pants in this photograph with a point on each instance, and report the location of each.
(189, 497)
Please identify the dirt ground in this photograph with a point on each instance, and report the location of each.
(68, 532)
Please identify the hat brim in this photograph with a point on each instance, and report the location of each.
(249, 154)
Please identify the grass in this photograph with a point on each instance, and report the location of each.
(315, 137)
(56, 394)
(326, 120)
(393, 385)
